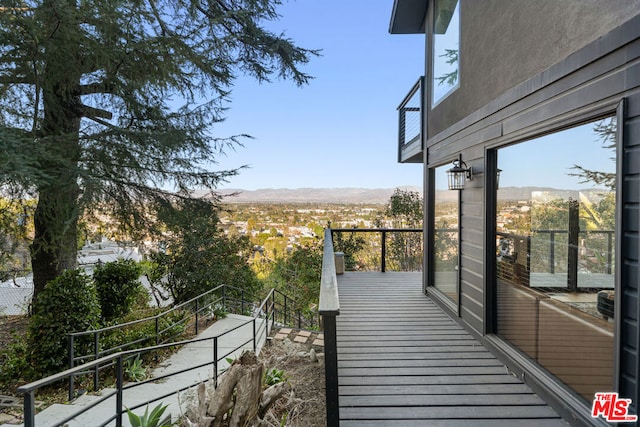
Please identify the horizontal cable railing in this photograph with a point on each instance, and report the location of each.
(402, 253)
(265, 313)
(410, 115)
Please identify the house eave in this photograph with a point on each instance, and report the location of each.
(408, 16)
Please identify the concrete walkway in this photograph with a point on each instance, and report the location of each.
(191, 355)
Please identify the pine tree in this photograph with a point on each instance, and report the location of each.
(108, 104)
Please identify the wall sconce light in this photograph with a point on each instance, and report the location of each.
(459, 174)
(498, 171)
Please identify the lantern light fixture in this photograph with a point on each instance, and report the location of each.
(459, 174)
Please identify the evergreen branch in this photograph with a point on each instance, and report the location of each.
(92, 112)
(17, 80)
(96, 88)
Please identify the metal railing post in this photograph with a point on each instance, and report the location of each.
(285, 311)
(197, 316)
(274, 311)
(572, 245)
(71, 363)
(331, 370)
(609, 252)
(224, 297)
(242, 302)
(157, 332)
(215, 362)
(29, 409)
(96, 371)
(255, 344)
(552, 252)
(119, 385)
(266, 317)
(383, 249)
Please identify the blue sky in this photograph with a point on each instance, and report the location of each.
(341, 130)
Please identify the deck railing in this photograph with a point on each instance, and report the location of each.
(329, 308)
(410, 123)
(409, 260)
(559, 252)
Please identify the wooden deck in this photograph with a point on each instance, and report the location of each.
(403, 362)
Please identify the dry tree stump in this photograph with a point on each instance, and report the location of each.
(240, 394)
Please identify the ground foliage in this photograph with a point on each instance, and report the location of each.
(108, 105)
(297, 274)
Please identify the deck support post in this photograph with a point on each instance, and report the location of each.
(331, 369)
(329, 308)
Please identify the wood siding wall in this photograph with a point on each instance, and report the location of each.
(587, 85)
(630, 281)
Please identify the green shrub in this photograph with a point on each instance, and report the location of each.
(67, 304)
(118, 287)
(14, 364)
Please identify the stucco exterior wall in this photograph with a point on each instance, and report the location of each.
(503, 43)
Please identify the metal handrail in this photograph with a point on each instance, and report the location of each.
(383, 238)
(158, 332)
(267, 306)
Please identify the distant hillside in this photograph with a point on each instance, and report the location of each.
(313, 195)
(376, 195)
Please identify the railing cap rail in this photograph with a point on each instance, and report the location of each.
(376, 230)
(154, 317)
(329, 303)
(416, 86)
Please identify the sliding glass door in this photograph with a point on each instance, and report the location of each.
(555, 252)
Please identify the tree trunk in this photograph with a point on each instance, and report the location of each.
(54, 245)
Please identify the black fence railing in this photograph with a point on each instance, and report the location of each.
(154, 330)
(262, 321)
(398, 249)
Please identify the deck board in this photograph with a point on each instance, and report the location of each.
(403, 362)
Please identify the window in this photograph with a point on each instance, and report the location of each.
(555, 240)
(446, 48)
(445, 232)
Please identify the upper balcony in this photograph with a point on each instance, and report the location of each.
(411, 125)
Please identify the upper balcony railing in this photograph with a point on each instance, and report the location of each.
(410, 125)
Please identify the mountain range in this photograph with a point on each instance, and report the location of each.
(374, 195)
(312, 195)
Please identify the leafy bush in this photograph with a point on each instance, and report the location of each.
(118, 287)
(14, 364)
(67, 304)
